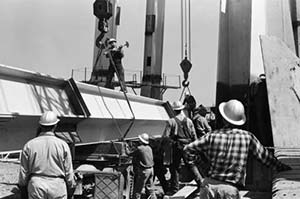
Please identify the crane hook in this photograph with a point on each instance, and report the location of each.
(185, 83)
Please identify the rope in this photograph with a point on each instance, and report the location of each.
(125, 95)
(112, 116)
(184, 92)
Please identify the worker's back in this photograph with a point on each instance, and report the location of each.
(47, 155)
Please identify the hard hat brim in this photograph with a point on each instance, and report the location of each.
(178, 108)
(234, 122)
(143, 140)
(49, 124)
(112, 41)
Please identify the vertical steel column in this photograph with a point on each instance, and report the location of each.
(153, 50)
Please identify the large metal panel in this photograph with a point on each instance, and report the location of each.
(96, 114)
(283, 78)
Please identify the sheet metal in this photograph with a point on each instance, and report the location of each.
(95, 113)
(111, 116)
(282, 73)
(283, 78)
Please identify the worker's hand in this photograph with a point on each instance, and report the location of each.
(284, 167)
(78, 176)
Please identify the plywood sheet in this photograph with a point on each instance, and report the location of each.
(282, 76)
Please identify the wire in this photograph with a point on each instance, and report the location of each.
(189, 31)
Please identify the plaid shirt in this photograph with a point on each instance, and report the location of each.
(227, 151)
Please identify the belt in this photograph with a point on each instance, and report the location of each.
(48, 176)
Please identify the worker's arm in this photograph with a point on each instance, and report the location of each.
(265, 156)
(69, 173)
(131, 149)
(24, 173)
(207, 127)
(167, 130)
(24, 168)
(192, 130)
(191, 150)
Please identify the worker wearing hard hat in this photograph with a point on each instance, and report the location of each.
(181, 131)
(200, 122)
(227, 149)
(143, 167)
(46, 169)
(115, 55)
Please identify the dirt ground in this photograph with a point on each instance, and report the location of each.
(9, 173)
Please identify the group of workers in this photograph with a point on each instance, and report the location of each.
(46, 169)
(217, 159)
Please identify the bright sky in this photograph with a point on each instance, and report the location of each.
(54, 37)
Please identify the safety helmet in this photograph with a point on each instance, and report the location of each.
(144, 138)
(48, 118)
(233, 111)
(201, 110)
(177, 105)
(111, 40)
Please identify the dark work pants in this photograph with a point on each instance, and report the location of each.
(175, 168)
(143, 178)
(159, 171)
(111, 72)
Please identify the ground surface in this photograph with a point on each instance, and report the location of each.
(9, 173)
(9, 178)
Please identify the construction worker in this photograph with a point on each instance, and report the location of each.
(227, 150)
(115, 55)
(190, 104)
(46, 169)
(143, 167)
(181, 131)
(200, 122)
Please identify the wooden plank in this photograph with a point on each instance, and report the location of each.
(184, 192)
(254, 195)
(282, 76)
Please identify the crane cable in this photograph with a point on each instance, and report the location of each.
(122, 85)
(186, 29)
(124, 93)
(185, 43)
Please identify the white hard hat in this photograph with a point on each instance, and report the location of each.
(111, 40)
(48, 118)
(144, 138)
(177, 105)
(233, 111)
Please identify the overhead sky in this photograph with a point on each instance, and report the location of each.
(54, 37)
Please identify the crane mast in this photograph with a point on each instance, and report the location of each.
(153, 50)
